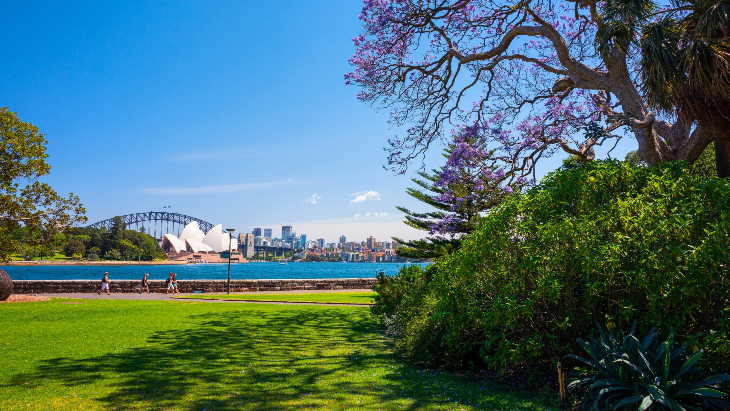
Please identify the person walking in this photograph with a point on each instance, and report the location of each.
(168, 282)
(145, 284)
(105, 284)
(175, 290)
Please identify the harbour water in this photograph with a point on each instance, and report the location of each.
(250, 271)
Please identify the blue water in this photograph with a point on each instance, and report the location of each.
(250, 271)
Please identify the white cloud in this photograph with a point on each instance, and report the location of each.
(313, 199)
(364, 196)
(357, 215)
(228, 188)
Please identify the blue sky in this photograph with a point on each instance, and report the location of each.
(233, 112)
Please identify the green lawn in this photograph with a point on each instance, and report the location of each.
(58, 256)
(175, 355)
(334, 297)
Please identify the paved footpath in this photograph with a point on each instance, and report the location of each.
(167, 297)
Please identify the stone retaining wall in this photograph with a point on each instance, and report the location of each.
(189, 286)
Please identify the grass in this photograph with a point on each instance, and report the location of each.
(58, 256)
(174, 355)
(335, 297)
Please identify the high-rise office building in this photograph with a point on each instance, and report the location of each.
(256, 232)
(320, 242)
(267, 233)
(285, 233)
(343, 240)
(303, 241)
(372, 243)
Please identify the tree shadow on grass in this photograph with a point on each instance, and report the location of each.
(265, 360)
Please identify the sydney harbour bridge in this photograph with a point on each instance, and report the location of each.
(158, 223)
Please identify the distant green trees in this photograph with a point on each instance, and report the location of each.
(74, 246)
(115, 244)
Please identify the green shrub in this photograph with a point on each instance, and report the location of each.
(604, 243)
(404, 306)
(628, 373)
(410, 282)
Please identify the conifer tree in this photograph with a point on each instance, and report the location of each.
(459, 200)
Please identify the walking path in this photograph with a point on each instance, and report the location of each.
(167, 297)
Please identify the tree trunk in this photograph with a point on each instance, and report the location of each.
(721, 135)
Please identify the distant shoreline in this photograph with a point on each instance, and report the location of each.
(34, 263)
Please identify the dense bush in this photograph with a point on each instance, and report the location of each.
(628, 373)
(402, 304)
(601, 243)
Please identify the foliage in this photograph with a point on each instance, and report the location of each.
(607, 242)
(24, 201)
(628, 372)
(633, 158)
(113, 254)
(28, 253)
(405, 305)
(459, 198)
(390, 290)
(685, 60)
(704, 166)
(130, 244)
(526, 77)
(686, 57)
(74, 246)
(267, 357)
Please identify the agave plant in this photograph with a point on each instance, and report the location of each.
(630, 374)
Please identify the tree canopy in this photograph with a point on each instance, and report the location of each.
(528, 79)
(25, 201)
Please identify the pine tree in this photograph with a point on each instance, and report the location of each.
(464, 215)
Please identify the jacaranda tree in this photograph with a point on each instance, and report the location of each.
(527, 78)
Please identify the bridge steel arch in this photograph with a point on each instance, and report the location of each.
(155, 216)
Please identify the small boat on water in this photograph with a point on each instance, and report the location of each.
(283, 263)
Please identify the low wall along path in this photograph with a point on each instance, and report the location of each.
(205, 286)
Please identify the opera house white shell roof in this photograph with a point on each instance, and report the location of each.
(194, 240)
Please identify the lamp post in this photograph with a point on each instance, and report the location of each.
(230, 239)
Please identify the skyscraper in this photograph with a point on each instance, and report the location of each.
(343, 240)
(256, 232)
(302, 241)
(372, 243)
(320, 242)
(267, 233)
(285, 233)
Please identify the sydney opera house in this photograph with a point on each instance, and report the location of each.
(192, 239)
